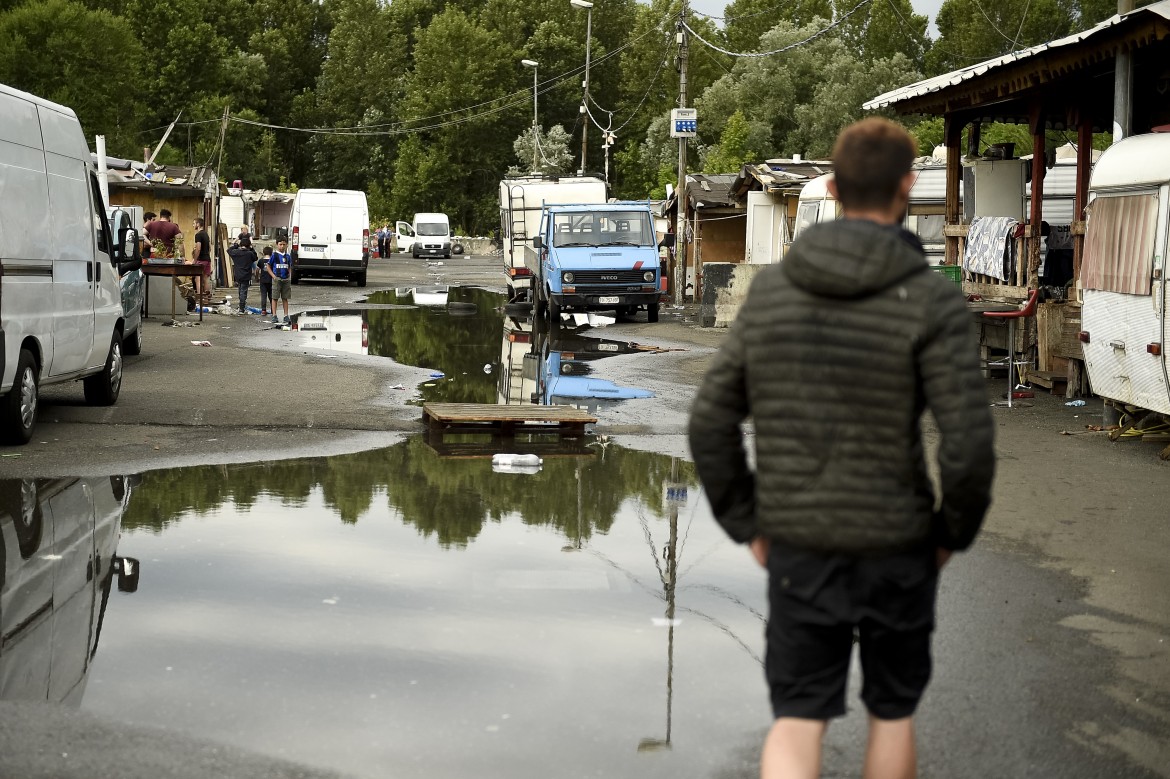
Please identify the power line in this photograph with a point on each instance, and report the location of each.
(789, 47)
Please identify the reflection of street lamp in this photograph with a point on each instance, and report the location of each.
(588, 6)
(535, 143)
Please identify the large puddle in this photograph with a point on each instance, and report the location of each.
(476, 352)
(397, 612)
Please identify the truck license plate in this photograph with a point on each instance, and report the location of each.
(610, 300)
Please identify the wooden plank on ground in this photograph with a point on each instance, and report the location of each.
(507, 419)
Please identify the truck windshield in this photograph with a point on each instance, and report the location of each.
(431, 228)
(602, 228)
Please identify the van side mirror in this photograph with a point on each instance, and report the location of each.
(538, 242)
(128, 251)
(667, 241)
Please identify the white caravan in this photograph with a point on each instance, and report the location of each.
(1123, 275)
(61, 312)
(521, 203)
(329, 234)
(924, 217)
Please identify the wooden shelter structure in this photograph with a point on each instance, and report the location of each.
(1065, 84)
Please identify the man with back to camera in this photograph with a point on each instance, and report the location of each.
(835, 354)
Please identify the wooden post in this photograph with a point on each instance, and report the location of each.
(1034, 218)
(1084, 167)
(953, 135)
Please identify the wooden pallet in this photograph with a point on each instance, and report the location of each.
(506, 420)
(1056, 383)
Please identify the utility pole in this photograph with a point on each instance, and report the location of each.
(680, 230)
(1122, 85)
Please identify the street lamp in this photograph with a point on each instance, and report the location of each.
(535, 142)
(588, 6)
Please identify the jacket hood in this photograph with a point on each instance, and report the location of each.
(852, 258)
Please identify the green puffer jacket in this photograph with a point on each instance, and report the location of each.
(835, 354)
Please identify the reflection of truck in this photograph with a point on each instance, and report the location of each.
(595, 257)
(522, 202)
(540, 365)
(58, 539)
(1125, 328)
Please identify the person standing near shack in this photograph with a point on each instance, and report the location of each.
(835, 354)
(201, 255)
(265, 279)
(280, 268)
(243, 261)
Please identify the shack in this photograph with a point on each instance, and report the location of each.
(1064, 85)
(769, 192)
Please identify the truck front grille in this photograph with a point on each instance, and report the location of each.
(605, 278)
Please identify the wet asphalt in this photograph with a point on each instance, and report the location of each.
(1052, 646)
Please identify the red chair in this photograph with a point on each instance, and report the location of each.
(1028, 309)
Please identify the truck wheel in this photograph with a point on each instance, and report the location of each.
(294, 277)
(18, 409)
(360, 279)
(554, 310)
(652, 312)
(101, 389)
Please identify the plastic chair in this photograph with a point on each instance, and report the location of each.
(1028, 309)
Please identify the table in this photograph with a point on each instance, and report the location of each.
(175, 269)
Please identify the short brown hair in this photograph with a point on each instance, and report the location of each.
(199, 221)
(869, 161)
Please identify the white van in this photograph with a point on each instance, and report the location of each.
(329, 234)
(1125, 326)
(429, 236)
(60, 304)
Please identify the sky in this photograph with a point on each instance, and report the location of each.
(927, 8)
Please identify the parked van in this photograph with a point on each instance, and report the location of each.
(61, 314)
(428, 236)
(1125, 328)
(329, 234)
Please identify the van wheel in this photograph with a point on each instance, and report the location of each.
(102, 389)
(295, 278)
(133, 343)
(18, 409)
(360, 279)
(652, 312)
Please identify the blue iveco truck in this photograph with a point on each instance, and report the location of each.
(595, 257)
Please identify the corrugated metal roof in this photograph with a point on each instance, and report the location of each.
(956, 77)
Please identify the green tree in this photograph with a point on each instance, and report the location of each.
(735, 147)
(881, 30)
(971, 31)
(453, 138)
(47, 48)
(801, 99)
(551, 151)
(747, 20)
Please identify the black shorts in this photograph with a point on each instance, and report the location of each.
(818, 604)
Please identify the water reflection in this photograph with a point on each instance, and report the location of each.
(453, 330)
(400, 613)
(555, 366)
(58, 539)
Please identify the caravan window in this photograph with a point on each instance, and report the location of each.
(1119, 243)
(806, 216)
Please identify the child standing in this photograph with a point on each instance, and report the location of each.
(280, 269)
(265, 281)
